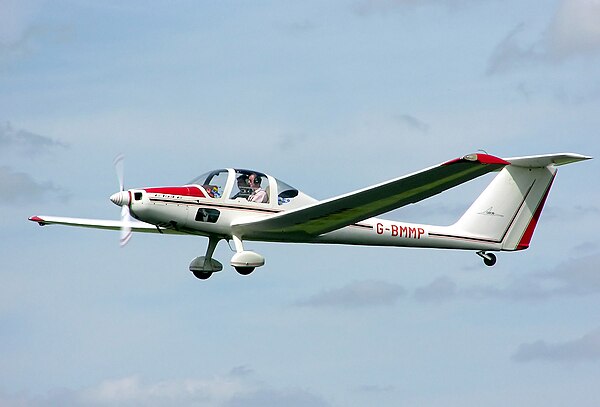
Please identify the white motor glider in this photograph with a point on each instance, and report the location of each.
(239, 205)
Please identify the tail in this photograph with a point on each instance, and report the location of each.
(508, 210)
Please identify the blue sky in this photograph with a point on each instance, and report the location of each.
(330, 98)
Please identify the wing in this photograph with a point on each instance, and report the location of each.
(326, 216)
(136, 226)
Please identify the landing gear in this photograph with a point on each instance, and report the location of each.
(244, 270)
(204, 266)
(245, 261)
(202, 275)
(489, 259)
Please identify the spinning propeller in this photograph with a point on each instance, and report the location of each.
(122, 199)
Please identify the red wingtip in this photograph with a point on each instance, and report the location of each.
(490, 159)
(38, 220)
(480, 158)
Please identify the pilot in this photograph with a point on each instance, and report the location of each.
(258, 194)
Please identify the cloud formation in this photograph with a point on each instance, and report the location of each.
(575, 277)
(19, 187)
(374, 388)
(367, 7)
(586, 348)
(290, 141)
(230, 390)
(440, 289)
(276, 398)
(573, 32)
(357, 294)
(25, 142)
(575, 29)
(413, 123)
(17, 28)
(16, 17)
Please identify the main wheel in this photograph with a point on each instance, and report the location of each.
(244, 270)
(491, 261)
(202, 275)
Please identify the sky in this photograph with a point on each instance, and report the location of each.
(329, 97)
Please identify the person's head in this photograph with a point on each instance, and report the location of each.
(242, 181)
(254, 180)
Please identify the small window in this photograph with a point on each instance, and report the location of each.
(286, 193)
(207, 215)
(137, 196)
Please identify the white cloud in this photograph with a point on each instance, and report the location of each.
(233, 389)
(573, 32)
(357, 294)
(276, 398)
(16, 17)
(586, 348)
(19, 187)
(374, 388)
(510, 54)
(25, 142)
(366, 7)
(575, 277)
(413, 123)
(440, 289)
(575, 29)
(17, 27)
(132, 391)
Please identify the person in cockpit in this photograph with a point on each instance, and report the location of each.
(243, 185)
(258, 193)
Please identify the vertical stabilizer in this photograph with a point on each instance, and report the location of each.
(508, 210)
(505, 210)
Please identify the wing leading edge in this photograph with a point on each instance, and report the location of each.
(100, 224)
(335, 213)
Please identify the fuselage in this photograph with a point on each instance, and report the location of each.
(211, 208)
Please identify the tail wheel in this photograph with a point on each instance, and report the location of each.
(490, 260)
(244, 270)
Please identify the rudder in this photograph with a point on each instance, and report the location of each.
(508, 209)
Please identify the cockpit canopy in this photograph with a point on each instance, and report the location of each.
(249, 186)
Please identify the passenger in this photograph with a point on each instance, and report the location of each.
(258, 194)
(243, 185)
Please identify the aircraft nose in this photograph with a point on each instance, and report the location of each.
(120, 198)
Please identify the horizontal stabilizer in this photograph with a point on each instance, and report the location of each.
(540, 161)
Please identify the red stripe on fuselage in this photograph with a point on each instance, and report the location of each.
(182, 191)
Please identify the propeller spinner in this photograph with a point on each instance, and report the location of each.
(122, 199)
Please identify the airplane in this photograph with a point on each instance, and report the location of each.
(245, 205)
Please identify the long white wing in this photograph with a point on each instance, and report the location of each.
(136, 226)
(344, 210)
